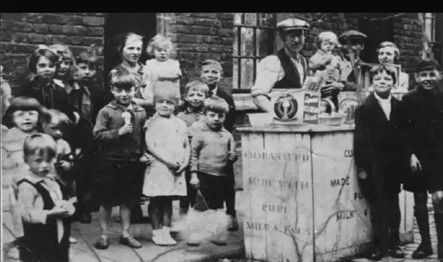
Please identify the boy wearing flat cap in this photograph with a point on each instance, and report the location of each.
(285, 69)
(424, 152)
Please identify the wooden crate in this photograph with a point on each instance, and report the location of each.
(302, 194)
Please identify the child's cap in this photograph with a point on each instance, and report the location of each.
(216, 104)
(427, 64)
(353, 36)
(211, 63)
(165, 90)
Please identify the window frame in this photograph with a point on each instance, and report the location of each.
(239, 56)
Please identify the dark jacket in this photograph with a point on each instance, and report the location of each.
(127, 147)
(378, 145)
(75, 98)
(231, 116)
(424, 112)
(52, 96)
(80, 135)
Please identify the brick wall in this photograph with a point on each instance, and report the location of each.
(409, 38)
(200, 36)
(21, 33)
(197, 36)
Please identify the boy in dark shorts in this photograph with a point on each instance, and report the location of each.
(118, 179)
(212, 151)
(424, 129)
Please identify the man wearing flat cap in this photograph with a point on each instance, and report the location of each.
(287, 68)
(353, 43)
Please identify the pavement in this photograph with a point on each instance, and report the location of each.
(411, 247)
(86, 235)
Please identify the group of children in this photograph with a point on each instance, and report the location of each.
(401, 142)
(110, 155)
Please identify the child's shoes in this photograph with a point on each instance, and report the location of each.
(220, 239)
(162, 237)
(130, 242)
(233, 224)
(157, 237)
(193, 240)
(167, 237)
(72, 240)
(102, 243)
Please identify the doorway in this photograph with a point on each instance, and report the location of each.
(144, 24)
(377, 28)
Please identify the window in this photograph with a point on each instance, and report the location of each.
(432, 30)
(253, 40)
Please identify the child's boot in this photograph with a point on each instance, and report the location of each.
(167, 237)
(233, 224)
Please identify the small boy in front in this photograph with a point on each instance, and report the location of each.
(195, 93)
(378, 148)
(211, 74)
(46, 237)
(118, 179)
(212, 150)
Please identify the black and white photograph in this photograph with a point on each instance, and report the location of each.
(221, 137)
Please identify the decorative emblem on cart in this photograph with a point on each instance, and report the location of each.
(286, 107)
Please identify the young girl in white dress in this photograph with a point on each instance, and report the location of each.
(162, 68)
(168, 144)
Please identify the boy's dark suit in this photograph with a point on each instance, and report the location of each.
(378, 151)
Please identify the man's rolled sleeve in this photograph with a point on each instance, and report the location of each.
(269, 72)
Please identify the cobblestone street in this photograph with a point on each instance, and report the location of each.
(410, 248)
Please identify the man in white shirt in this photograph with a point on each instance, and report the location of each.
(287, 68)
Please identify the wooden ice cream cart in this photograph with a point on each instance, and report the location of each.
(300, 183)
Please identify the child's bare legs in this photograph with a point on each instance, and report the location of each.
(125, 214)
(105, 218)
(160, 211)
(167, 211)
(126, 238)
(155, 211)
(166, 220)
